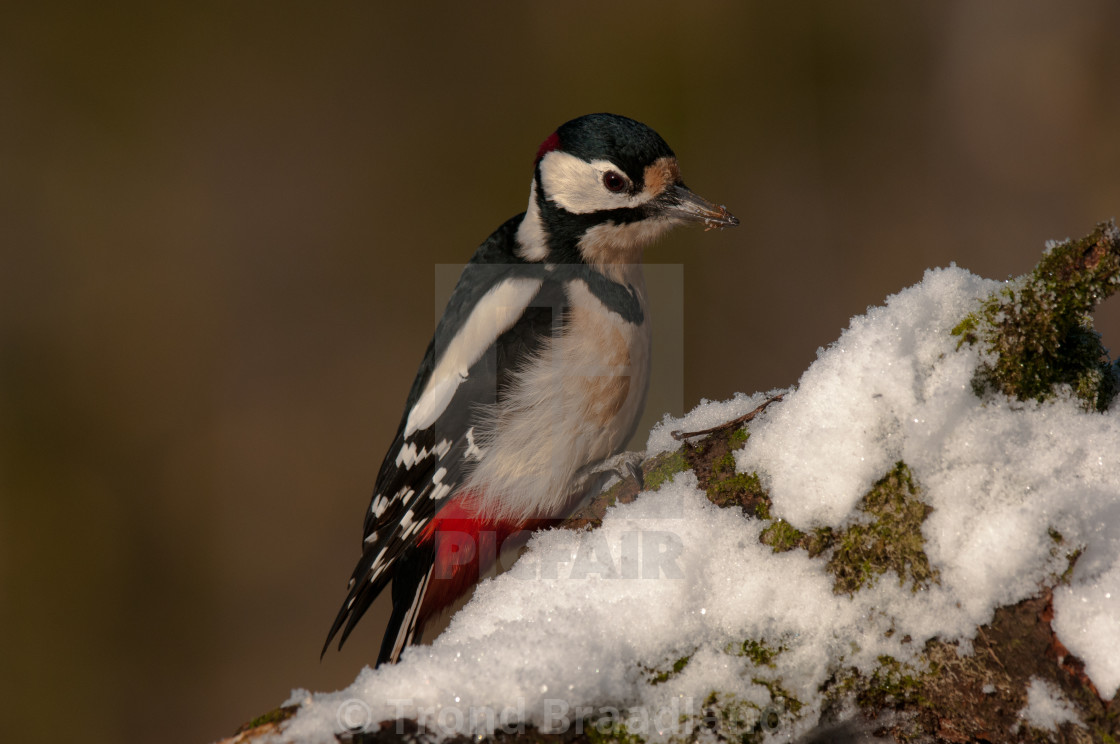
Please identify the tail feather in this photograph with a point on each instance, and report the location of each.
(410, 586)
(451, 552)
(361, 595)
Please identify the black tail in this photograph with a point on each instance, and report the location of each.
(410, 584)
(410, 580)
(358, 599)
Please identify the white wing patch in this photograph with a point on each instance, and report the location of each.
(473, 451)
(494, 314)
(409, 455)
(377, 508)
(412, 527)
(439, 488)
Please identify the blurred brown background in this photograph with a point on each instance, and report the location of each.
(218, 228)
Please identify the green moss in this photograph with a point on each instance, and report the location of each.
(781, 536)
(278, 715)
(661, 469)
(1067, 575)
(1071, 556)
(966, 329)
(609, 497)
(713, 460)
(742, 489)
(731, 718)
(970, 695)
(891, 684)
(758, 652)
(664, 676)
(890, 541)
(1037, 331)
(726, 487)
(738, 438)
(818, 541)
(610, 730)
(779, 696)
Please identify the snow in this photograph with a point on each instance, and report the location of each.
(582, 625)
(1087, 618)
(1047, 708)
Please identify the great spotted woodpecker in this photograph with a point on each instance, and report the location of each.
(535, 378)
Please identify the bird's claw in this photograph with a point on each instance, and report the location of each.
(633, 464)
(624, 464)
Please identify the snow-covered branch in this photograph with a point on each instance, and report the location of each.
(920, 540)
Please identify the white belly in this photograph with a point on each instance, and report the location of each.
(578, 405)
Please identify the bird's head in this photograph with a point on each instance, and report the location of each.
(604, 187)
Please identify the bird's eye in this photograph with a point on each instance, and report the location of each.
(614, 181)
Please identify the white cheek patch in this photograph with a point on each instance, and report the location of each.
(577, 185)
(494, 314)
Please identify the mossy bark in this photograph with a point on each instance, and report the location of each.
(1037, 332)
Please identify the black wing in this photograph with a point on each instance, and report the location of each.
(428, 461)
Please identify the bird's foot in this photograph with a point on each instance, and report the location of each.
(596, 476)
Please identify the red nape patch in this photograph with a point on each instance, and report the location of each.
(466, 546)
(550, 144)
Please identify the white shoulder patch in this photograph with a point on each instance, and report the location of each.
(494, 314)
(531, 240)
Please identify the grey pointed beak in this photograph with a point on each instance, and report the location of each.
(683, 204)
